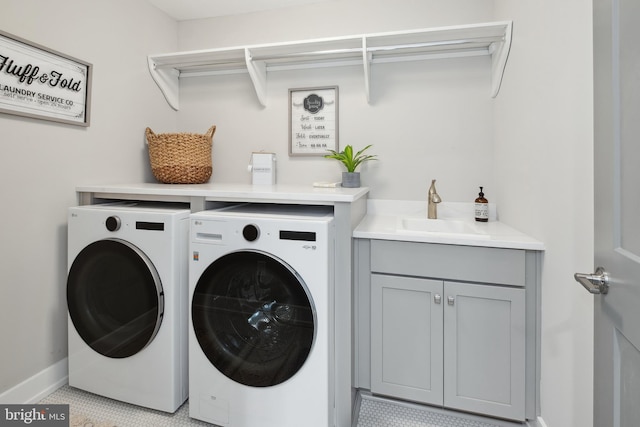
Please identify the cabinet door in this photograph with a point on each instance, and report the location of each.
(484, 342)
(406, 338)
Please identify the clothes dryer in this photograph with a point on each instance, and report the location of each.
(261, 286)
(127, 291)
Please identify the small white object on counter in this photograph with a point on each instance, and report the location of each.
(324, 184)
(407, 221)
(263, 168)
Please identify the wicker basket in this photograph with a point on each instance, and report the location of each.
(180, 158)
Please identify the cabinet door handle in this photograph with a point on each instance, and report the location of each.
(451, 300)
(437, 298)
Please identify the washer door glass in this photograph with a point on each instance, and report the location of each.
(253, 318)
(115, 298)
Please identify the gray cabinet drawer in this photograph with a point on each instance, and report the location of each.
(463, 263)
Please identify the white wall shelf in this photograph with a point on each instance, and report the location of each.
(493, 39)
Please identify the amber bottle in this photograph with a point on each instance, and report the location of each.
(482, 207)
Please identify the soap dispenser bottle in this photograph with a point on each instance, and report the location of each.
(482, 208)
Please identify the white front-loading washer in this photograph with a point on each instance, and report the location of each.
(261, 350)
(127, 298)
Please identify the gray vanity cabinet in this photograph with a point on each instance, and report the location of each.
(447, 325)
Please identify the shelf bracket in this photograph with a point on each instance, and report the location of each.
(499, 52)
(258, 73)
(167, 80)
(367, 57)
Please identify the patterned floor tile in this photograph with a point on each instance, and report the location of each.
(87, 409)
(376, 412)
(112, 413)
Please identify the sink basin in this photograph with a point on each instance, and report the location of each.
(439, 226)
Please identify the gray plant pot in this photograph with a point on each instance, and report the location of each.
(351, 179)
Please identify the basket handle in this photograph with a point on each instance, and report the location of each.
(210, 132)
(148, 133)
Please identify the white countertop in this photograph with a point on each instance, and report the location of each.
(383, 218)
(381, 221)
(219, 191)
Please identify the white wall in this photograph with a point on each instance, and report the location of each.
(42, 162)
(426, 120)
(544, 172)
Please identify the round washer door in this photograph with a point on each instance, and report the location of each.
(115, 298)
(253, 318)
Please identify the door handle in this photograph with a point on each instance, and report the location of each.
(596, 283)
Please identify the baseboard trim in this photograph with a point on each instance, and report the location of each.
(538, 422)
(42, 384)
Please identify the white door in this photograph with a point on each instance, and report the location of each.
(617, 211)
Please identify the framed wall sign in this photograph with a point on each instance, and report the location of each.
(41, 83)
(313, 121)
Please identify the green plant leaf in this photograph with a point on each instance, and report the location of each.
(347, 158)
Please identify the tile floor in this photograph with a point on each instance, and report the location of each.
(378, 412)
(88, 409)
(104, 412)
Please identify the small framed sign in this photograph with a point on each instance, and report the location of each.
(41, 83)
(313, 121)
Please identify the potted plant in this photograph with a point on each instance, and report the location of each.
(351, 178)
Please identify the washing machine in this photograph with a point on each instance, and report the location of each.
(127, 298)
(261, 352)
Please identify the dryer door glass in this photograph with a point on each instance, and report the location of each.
(253, 318)
(115, 298)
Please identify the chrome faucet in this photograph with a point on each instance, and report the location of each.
(433, 200)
